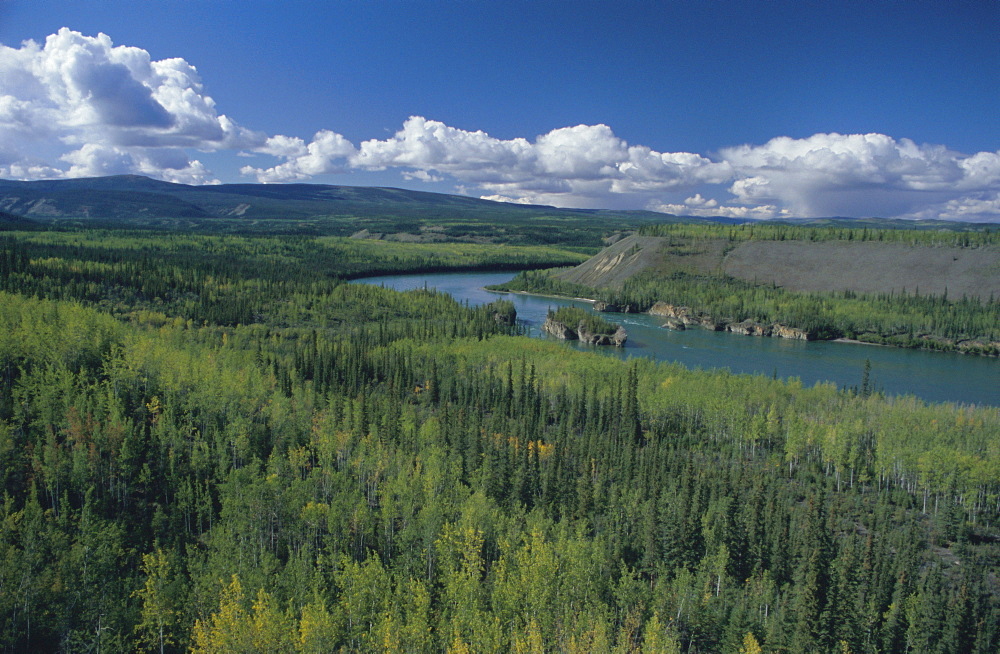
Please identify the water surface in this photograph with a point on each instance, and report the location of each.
(933, 376)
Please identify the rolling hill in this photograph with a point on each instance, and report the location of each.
(10, 221)
(803, 265)
(312, 209)
(365, 212)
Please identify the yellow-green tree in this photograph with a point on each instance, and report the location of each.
(158, 612)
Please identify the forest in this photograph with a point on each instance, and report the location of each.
(903, 318)
(213, 443)
(582, 320)
(846, 230)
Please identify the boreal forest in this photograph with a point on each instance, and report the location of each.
(216, 443)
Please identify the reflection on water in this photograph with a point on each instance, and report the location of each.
(932, 376)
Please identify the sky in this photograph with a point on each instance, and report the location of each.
(758, 109)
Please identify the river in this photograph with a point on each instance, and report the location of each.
(932, 376)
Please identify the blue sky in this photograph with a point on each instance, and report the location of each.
(759, 109)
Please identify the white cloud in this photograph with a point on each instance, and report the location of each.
(324, 155)
(288, 147)
(709, 207)
(698, 201)
(588, 166)
(504, 198)
(983, 208)
(584, 152)
(432, 146)
(170, 164)
(856, 174)
(80, 105)
(981, 170)
(584, 165)
(118, 108)
(422, 175)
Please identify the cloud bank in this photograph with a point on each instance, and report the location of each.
(106, 109)
(80, 106)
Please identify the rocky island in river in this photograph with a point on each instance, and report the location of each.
(572, 324)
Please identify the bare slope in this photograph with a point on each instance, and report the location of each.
(635, 254)
(868, 267)
(865, 267)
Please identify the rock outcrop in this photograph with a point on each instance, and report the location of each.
(685, 315)
(559, 330)
(979, 346)
(749, 328)
(580, 333)
(784, 331)
(607, 307)
(680, 317)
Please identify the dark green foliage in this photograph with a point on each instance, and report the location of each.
(11, 222)
(885, 231)
(362, 470)
(230, 280)
(900, 319)
(577, 318)
(311, 209)
(545, 283)
(903, 319)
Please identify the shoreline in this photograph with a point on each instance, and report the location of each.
(854, 341)
(848, 341)
(555, 297)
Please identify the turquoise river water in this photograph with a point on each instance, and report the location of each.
(932, 376)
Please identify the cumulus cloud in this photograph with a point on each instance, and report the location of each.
(705, 207)
(585, 165)
(504, 198)
(169, 164)
(856, 174)
(80, 106)
(981, 208)
(118, 108)
(323, 155)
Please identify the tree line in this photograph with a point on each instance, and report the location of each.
(901, 319)
(960, 235)
(356, 469)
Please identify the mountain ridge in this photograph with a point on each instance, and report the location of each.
(314, 209)
(315, 199)
(371, 212)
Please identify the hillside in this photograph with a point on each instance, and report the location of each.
(802, 265)
(9, 221)
(392, 213)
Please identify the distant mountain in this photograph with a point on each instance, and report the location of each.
(313, 208)
(123, 196)
(371, 212)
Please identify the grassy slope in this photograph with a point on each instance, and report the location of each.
(866, 267)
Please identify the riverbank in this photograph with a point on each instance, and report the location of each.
(854, 341)
(932, 376)
(923, 320)
(555, 297)
(929, 375)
